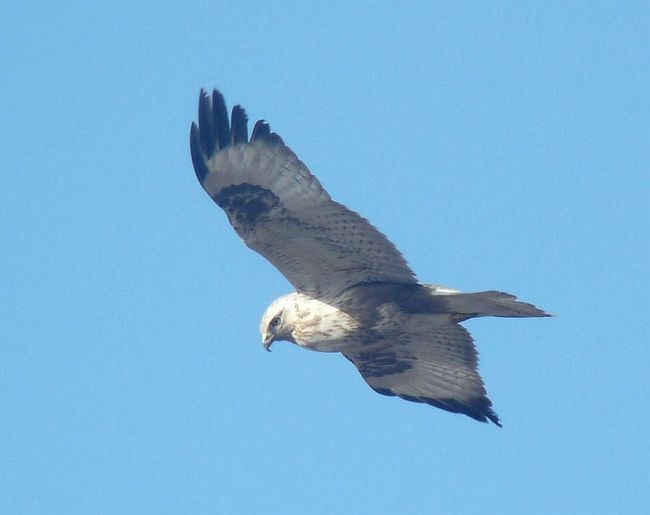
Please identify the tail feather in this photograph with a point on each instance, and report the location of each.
(491, 303)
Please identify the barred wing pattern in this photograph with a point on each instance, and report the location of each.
(282, 212)
(433, 365)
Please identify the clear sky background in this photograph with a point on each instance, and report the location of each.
(502, 146)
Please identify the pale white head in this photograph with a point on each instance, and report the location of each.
(278, 320)
(308, 322)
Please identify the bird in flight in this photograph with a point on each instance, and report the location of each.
(355, 293)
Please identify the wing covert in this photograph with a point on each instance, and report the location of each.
(281, 210)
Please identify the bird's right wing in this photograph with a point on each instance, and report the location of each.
(281, 211)
(436, 365)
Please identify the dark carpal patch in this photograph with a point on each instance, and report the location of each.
(384, 364)
(247, 204)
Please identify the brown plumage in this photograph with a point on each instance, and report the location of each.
(355, 293)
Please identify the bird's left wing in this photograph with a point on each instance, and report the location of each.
(437, 366)
(281, 211)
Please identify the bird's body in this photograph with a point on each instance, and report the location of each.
(355, 293)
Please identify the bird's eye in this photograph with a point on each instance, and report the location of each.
(275, 321)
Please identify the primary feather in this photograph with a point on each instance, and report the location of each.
(355, 293)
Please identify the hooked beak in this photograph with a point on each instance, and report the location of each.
(267, 341)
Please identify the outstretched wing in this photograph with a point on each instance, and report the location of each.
(280, 209)
(437, 367)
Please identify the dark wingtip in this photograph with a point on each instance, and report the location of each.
(198, 156)
(215, 131)
(480, 409)
(261, 130)
(239, 133)
(220, 119)
(484, 414)
(481, 412)
(206, 127)
(493, 417)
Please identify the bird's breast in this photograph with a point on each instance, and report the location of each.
(326, 330)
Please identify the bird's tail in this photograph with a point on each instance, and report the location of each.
(490, 303)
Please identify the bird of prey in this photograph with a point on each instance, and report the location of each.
(355, 293)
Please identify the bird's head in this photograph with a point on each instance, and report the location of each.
(278, 320)
(307, 322)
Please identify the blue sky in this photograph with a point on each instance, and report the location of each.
(502, 146)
